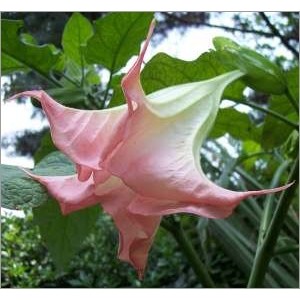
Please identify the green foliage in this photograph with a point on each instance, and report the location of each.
(260, 73)
(163, 71)
(45, 148)
(64, 235)
(18, 191)
(236, 123)
(76, 33)
(86, 241)
(275, 132)
(117, 37)
(18, 54)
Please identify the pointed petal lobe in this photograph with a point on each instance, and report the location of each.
(86, 136)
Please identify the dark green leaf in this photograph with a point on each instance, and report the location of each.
(18, 191)
(46, 147)
(75, 36)
(55, 164)
(18, 55)
(292, 78)
(163, 71)
(236, 123)
(117, 38)
(64, 235)
(68, 95)
(275, 132)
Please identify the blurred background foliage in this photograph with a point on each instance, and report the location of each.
(244, 151)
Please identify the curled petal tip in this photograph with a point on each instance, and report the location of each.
(265, 191)
(140, 274)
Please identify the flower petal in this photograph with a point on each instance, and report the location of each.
(131, 84)
(159, 157)
(71, 194)
(86, 136)
(136, 231)
(151, 206)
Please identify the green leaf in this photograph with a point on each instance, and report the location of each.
(45, 148)
(292, 77)
(75, 36)
(236, 123)
(9, 65)
(64, 235)
(261, 74)
(275, 132)
(250, 147)
(67, 95)
(55, 164)
(118, 96)
(117, 38)
(163, 71)
(19, 191)
(18, 55)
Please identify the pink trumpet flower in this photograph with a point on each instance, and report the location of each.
(141, 161)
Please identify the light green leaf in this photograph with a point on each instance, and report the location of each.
(64, 235)
(9, 65)
(75, 36)
(117, 38)
(261, 74)
(18, 55)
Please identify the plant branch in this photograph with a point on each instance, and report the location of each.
(188, 249)
(228, 28)
(276, 32)
(265, 252)
(268, 111)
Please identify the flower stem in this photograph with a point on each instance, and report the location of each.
(265, 252)
(270, 202)
(188, 249)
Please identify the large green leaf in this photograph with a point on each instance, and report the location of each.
(64, 235)
(236, 123)
(9, 65)
(75, 36)
(275, 132)
(17, 54)
(19, 191)
(117, 38)
(163, 71)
